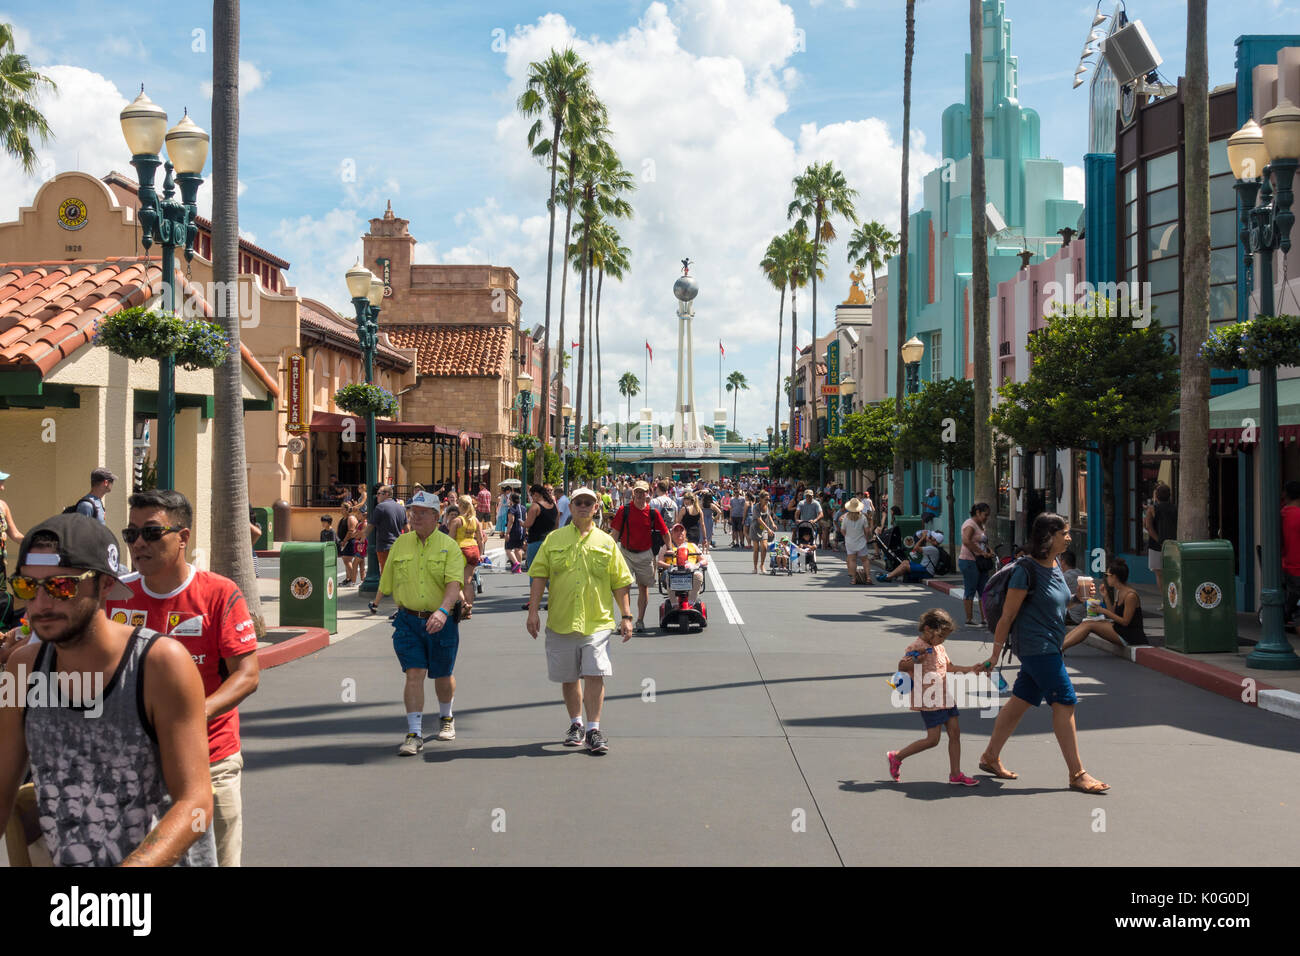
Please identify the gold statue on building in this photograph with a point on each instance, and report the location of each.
(856, 295)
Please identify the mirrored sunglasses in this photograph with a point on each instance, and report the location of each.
(61, 587)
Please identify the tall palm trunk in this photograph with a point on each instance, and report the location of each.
(600, 374)
(1194, 405)
(591, 353)
(985, 489)
(780, 328)
(815, 425)
(896, 495)
(564, 289)
(545, 424)
(582, 335)
(230, 552)
(794, 355)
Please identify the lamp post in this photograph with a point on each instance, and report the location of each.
(785, 435)
(848, 386)
(770, 431)
(367, 291)
(524, 384)
(754, 446)
(1270, 150)
(913, 350)
(170, 223)
(567, 412)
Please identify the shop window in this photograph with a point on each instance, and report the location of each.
(1162, 206)
(1130, 185)
(1162, 171)
(936, 356)
(1163, 274)
(1162, 241)
(1223, 264)
(1165, 308)
(1131, 216)
(1223, 228)
(1223, 302)
(1142, 473)
(1219, 158)
(1222, 193)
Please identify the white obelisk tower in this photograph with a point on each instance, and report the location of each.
(685, 289)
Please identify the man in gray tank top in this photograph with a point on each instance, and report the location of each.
(112, 718)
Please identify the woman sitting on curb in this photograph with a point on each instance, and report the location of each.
(1123, 625)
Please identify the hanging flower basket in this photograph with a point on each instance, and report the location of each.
(203, 345)
(1263, 342)
(362, 399)
(139, 333)
(525, 442)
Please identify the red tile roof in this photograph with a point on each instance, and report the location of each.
(341, 333)
(48, 310)
(470, 350)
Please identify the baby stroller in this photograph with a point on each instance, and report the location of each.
(805, 536)
(774, 551)
(891, 548)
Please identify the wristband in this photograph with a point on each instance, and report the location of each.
(444, 612)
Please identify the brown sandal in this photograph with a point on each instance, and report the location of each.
(1002, 773)
(1098, 786)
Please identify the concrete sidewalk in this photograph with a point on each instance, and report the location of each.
(1225, 674)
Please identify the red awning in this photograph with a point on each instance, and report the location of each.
(1229, 440)
(329, 422)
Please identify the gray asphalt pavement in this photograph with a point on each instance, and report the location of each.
(755, 742)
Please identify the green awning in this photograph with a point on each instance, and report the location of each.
(1233, 413)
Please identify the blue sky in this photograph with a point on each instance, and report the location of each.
(715, 104)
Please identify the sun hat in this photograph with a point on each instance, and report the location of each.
(582, 493)
(422, 499)
(853, 505)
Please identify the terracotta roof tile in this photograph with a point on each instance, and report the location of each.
(343, 332)
(469, 350)
(48, 310)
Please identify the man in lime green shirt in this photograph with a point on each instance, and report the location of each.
(582, 566)
(423, 573)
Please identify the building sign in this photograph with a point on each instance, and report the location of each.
(794, 438)
(72, 214)
(296, 424)
(832, 382)
(387, 266)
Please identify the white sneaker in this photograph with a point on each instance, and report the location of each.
(446, 728)
(411, 746)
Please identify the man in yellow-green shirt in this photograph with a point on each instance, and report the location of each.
(423, 573)
(581, 565)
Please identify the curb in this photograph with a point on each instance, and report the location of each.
(311, 640)
(1209, 677)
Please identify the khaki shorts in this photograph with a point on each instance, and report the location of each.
(641, 564)
(572, 656)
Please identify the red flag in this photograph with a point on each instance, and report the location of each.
(573, 345)
(720, 348)
(650, 350)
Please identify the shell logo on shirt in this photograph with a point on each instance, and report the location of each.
(124, 615)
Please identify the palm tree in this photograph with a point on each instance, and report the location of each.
(603, 181)
(630, 386)
(736, 383)
(870, 245)
(820, 193)
(806, 259)
(985, 482)
(230, 554)
(20, 120)
(896, 493)
(1194, 407)
(615, 259)
(550, 94)
(775, 266)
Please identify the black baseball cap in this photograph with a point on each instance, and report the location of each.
(84, 543)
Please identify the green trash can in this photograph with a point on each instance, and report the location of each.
(262, 518)
(309, 584)
(1200, 599)
(909, 524)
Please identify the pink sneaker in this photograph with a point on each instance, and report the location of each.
(960, 779)
(895, 765)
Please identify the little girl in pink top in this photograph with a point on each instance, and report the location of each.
(932, 696)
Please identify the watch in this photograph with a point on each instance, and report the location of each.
(627, 617)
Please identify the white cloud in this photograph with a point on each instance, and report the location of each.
(319, 251)
(760, 34)
(82, 113)
(250, 80)
(1074, 186)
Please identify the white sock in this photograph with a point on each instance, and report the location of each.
(576, 721)
(444, 710)
(415, 724)
(595, 725)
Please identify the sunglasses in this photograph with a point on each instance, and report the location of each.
(61, 587)
(150, 532)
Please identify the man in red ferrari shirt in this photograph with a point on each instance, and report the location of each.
(206, 613)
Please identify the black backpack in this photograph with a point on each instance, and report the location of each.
(72, 509)
(994, 597)
(945, 562)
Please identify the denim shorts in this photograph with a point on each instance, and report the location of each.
(972, 581)
(937, 718)
(417, 648)
(1043, 677)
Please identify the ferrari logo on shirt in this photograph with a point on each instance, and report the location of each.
(178, 625)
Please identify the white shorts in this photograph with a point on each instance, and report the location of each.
(859, 548)
(572, 656)
(1155, 560)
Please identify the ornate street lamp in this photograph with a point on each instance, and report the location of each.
(785, 434)
(170, 223)
(770, 430)
(367, 292)
(913, 350)
(524, 386)
(1263, 159)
